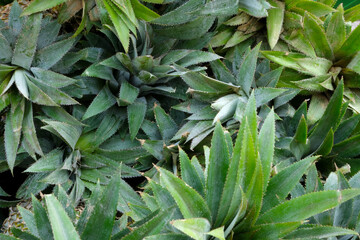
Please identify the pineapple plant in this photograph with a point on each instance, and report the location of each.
(224, 97)
(122, 18)
(55, 217)
(324, 51)
(236, 196)
(30, 48)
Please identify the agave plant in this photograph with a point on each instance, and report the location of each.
(224, 98)
(30, 47)
(122, 17)
(328, 54)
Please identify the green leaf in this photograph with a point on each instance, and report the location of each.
(26, 43)
(352, 14)
(13, 126)
(189, 30)
(317, 37)
(265, 95)
(326, 146)
(128, 94)
(336, 30)
(6, 237)
(317, 107)
(48, 34)
(51, 78)
(190, 203)
(29, 131)
(247, 69)
(50, 55)
(220, 7)
(319, 232)
(271, 230)
(350, 46)
(56, 95)
(217, 170)
(197, 57)
(41, 220)
(204, 83)
(274, 22)
(237, 38)
(266, 146)
(256, 8)
(136, 114)
(62, 227)
(107, 128)
(297, 39)
(122, 30)
(50, 162)
(166, 124)
(299, 145)
(282, 183)
(152, 226)
(345, 128)
(218, 233)
(3, 193)
(299, 62)
(167, 236)
(308, 205)
(103, 101)
(317, 8)
(181, 14)
(189, 173)
(41, 5)
(38, 96)
(325, 124)
(196, 228)
(348, 148)
(142, 12)
(69, 133)
(29, 220)
(6, 51)
(59, 176)
(100, 222)
(154, 147)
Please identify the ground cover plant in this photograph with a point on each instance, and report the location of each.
(179, 119)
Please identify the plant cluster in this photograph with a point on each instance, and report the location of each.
(174, 119)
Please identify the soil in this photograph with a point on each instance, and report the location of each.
(5, 10)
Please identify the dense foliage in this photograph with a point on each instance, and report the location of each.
(174, 119)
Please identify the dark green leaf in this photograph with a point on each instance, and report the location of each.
(26, 43)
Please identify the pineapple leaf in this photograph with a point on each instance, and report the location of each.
(41, 220)
(274, 22)
(136, 115)
(190, 202)
(26, 43)
(283, 182)
(103, 101)
(319, 232)
(102, 217)
(196, 228)
(61, 224)
(317, 37)
(217, 170)
(300, 208)
(41, 5)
